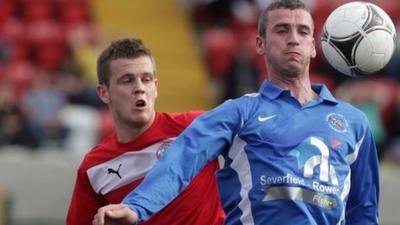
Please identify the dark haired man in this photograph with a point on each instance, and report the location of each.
(293, 153)
(128, 85)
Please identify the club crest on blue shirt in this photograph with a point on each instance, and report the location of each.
(337, 122)
(163, 148)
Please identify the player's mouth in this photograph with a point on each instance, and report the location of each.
(293, 53)
(140, 103)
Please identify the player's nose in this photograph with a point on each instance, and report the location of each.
(138, 87)
(293, 38)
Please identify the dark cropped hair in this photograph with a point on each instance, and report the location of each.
(277, 4)
(126, 48)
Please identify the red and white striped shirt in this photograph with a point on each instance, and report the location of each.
(112, 169)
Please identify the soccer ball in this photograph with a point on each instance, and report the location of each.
(358, 38)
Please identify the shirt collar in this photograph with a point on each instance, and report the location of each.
(324, 93)
(273, 91)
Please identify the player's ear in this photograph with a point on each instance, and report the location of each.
(260, 45)
(313, 51)
(156, 83)
(102, 92)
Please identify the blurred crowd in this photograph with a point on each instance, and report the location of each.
(41, 71)
(226, 31)
(45, 45)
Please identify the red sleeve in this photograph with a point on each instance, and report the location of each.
(84, 202)
(193, 115)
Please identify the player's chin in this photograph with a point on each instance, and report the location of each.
(292, 70)
(294, 57)
(139, 120)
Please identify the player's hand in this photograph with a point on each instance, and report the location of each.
(115, 214)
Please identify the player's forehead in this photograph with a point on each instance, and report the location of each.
(292, 17)
(135, 66)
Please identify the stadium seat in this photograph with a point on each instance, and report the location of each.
(220, 47)
(20, 74)
(37, 10)
(74, 12)
(6, 11)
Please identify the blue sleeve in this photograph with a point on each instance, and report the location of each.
(206, 138)
(363, 201)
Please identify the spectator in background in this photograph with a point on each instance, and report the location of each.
(368, 96)
(393, 151)
(41, 104)
(14, 129)
(78, 91)
(243, 74)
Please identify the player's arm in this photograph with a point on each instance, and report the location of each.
(84, 202)
(363, 201)
(206, 138)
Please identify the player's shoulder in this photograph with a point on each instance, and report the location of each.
(102, 151)
(351, 109)
(357, 117)
(248, 101)
(250, 98)
(244, 100)
(251, 95)
(182, 118)
(238, 109)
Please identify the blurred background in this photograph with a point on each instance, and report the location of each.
(50, 115)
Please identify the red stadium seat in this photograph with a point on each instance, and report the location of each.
(20, 74)
(18, 52)
(48, 43)
(50, 56)
(6, 11)
(36, 10)
(14, 30)
(74, 12)
(43, 32)
(220, 46)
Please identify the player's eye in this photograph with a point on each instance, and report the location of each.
(125, 80)
(281, 31)
(147, 78)
(304, 32)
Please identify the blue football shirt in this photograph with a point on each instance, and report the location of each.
(284, 163)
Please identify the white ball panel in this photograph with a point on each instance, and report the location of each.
(390, 48)
(363, 52)
(347, 28)
(375, 62)
(374, 51)
(349, 17)
(334, 58)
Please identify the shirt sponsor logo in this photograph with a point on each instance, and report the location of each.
(314, 153)
(301, 194)
(311, 155)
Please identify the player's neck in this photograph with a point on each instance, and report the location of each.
(300, 88)
(128, 132)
